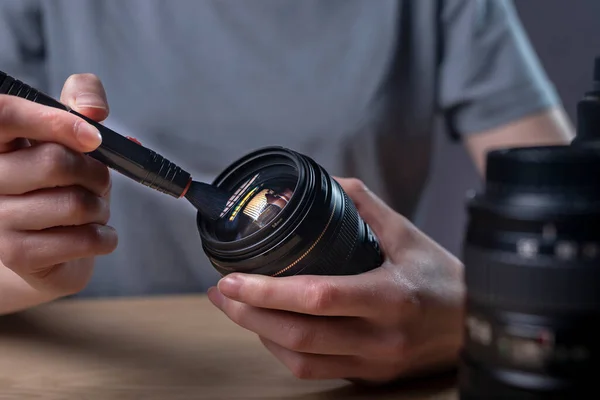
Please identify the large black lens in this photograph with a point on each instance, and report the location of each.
(287, 216)
(532, 270)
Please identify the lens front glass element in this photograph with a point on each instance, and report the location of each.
(256, 203)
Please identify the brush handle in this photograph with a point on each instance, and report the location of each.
(119, 153)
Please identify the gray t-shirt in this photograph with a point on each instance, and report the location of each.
(356, 84)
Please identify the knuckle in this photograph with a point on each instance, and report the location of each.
(401, 304)
(14, 252)
(5, 212)
(399, 237)
(79, 205)
(56, 160)
(71, 286)
(54, 120)
(403, 230)
(64, 285)
(408, 298)
(260, 292)
(6, 111)
(236, 313)
(98, 175)
(393, 347)
(355, 185)
(320, 295)
(300, 338)
(302, 368)
(104, 216)
(77, 125)
(105, 179)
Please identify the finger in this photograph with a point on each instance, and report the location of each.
(20, 118)
(62, 279)
(86, 95)
(360, 295)
(303, 333)
(371, 208)
(47, 208)
(392, 229)
(14, 145)
(50, 165)
(315, 366)
(29, 253)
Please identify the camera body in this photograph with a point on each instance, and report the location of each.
(532, 270)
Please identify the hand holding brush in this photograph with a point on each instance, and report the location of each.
(54, 198)
(128, 157)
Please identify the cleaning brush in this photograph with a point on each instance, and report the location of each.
(127, 156)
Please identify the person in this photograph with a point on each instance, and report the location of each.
(357, 85)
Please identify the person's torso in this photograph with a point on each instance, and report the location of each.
(347, 82)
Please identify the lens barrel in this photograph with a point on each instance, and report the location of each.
(318, 232)
(532, 272)
(588, 112)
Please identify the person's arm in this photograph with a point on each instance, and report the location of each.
(551, 127)
(493, 90)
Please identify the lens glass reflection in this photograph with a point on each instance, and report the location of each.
(256, 203)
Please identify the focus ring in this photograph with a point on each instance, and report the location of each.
(367, 255)
(477, 382)
(507, 280)
(335, 254)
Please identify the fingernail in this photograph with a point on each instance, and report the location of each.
(214, 296)
(88, 135)
(230, 285)
(89, 100)
(107, 231)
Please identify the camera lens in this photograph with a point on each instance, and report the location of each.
(256, 203)
(532, 272)
(588, 112)
(287, 216)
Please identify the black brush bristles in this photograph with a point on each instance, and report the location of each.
(209, 200)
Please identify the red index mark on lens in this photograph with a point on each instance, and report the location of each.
(134, 140)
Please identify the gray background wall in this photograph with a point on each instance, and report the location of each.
(566, 37)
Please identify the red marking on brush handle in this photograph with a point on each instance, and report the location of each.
(187, 187)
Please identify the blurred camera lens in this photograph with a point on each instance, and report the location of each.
(287, 216)
(588, 112)
(532, 271)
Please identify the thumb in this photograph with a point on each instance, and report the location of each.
(378, 215)
(85, 94)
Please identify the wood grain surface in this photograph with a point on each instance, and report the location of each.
(166, 348)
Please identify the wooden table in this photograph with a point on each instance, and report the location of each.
(166, 348)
